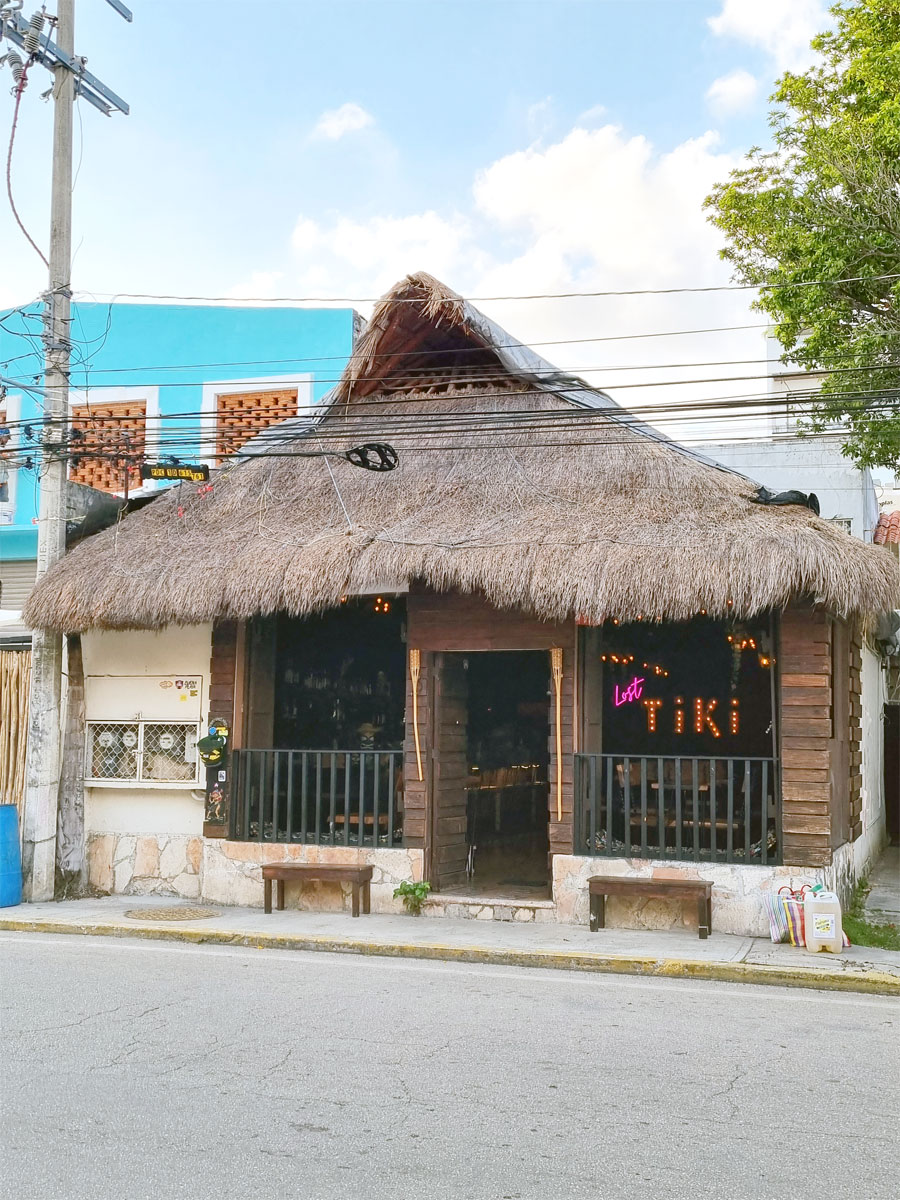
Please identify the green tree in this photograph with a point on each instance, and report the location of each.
(824, 204)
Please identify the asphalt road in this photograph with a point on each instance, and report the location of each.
(133, 1070)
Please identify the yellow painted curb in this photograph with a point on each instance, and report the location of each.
(878, 982)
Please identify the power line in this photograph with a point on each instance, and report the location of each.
(320, 358)
(725, 287)
(520, 423)
(553, 379)
(712, 408)
(21, 84)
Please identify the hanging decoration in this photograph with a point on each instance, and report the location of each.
(556, 662)
(415, 668)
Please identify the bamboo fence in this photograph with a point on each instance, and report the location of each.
(15, 683)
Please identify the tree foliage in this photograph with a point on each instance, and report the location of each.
(824, 204)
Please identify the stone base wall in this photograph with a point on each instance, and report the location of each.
(232, 874)
(224, 872)
(145, 864)
(738, 895)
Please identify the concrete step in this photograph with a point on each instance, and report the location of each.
(489, 908)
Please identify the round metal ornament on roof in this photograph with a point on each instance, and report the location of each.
(172, 912)
(373, 456)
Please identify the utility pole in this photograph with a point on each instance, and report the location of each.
(44, 757)
(43, 763)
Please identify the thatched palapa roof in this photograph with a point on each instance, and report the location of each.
(514, 481)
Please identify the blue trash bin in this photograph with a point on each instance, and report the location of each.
(10, 857)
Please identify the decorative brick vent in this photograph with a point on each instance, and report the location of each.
(111, 430)
(242, 415)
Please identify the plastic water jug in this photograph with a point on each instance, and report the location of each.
(822, 922)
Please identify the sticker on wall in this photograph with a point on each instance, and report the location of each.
(186, 688)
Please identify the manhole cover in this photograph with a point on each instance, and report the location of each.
(176, 913)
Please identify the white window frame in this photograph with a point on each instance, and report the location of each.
(138, 783)
(231, 387)
(126, 395)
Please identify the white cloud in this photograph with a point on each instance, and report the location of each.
(591, 115)
(539, 116)
(260, 285)
(366, 257)
(336, 123)
(782, 28)
(598, 210)
(732, 93)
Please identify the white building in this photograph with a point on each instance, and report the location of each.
(854, 499)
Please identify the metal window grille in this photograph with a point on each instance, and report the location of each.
(169, 752)
(845, 523)
(148, 751)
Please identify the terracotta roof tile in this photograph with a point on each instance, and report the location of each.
(887, 531)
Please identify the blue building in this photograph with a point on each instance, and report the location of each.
(152, 381)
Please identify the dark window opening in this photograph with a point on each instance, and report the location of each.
(679, 742)
(699, 688)
(340, 678)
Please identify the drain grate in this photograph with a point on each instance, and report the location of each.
(178, 912)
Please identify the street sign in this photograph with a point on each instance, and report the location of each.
(193, 472)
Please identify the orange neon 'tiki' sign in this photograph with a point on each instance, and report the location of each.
(703, 714)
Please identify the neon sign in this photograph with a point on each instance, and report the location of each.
(704, 708)
(628, 695)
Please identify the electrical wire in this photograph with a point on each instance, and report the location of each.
(714, 406)
(400, 354)
(552, 379)
(724, 287)
(19, 89)
(496, 424)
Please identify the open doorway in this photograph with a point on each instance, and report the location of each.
(507, 730)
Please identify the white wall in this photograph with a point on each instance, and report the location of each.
(874, 835)
(811, 465)
(122, 672)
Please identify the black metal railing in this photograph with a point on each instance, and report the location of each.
(325, 797)
(705, 809)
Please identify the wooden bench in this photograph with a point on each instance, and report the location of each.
(358, 877)
(601, 886)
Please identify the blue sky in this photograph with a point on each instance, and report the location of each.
(292, 148)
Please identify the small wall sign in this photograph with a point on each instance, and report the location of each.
(192, 472)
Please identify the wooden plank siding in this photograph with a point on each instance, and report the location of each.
(222, 671)
(438, 624)
(415, 790)
(816, 803)
(225, 670)
(855, 649)
(449, 772)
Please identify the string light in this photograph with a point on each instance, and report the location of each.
(734, 717)
(679, 715)
(651, 707)
(703, 716)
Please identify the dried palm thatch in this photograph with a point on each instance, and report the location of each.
(514, 481)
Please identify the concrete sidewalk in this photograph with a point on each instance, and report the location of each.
(631, 952)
